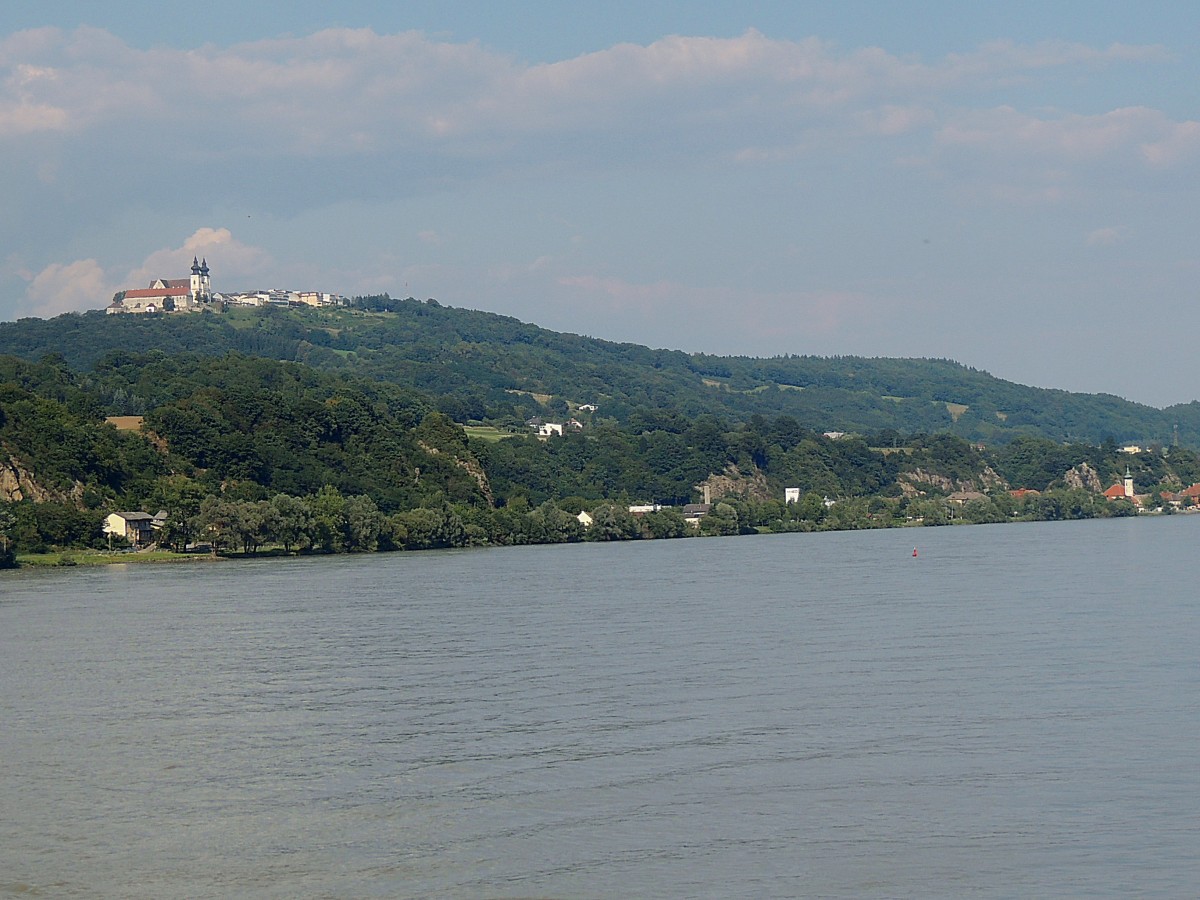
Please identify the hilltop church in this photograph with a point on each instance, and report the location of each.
(168, 294)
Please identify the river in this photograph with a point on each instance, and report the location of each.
(1013, 712)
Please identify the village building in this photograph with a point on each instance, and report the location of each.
(135, 527)
(962, 498)
(1121, 490)
(195, 293)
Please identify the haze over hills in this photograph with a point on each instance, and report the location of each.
(486, 367)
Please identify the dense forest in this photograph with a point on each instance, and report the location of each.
(374, 442)
(482, 367)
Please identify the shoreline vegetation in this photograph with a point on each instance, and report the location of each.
(402, 425)
(92, 558)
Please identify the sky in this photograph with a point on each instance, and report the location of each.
(1013, 186)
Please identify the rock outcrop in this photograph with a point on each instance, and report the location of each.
(471, 466)
(732, 483)
(988, 480)
(18, 483)
(1083, 477)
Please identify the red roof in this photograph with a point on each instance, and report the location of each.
(150, 293)
(1117, 490)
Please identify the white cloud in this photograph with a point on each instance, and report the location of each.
(84, 284)
(230, 259)
(343, 91)
(69, 287)
(1103, 237)
(1071, 137)
(1178, 141)
(893, 120)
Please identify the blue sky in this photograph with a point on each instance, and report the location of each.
(1011, 185)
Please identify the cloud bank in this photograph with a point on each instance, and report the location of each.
(730, 193)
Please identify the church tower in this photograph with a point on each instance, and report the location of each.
(200, 290)
(194, 292)
(1128, 483)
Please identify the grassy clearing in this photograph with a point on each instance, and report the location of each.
(103, 558)
(540, 398)
(487, 433)
(126, 423)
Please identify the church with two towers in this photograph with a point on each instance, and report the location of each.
(168, 294)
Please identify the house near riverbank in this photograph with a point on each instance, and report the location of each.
(135, 527)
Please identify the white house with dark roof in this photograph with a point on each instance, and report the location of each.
(136, 527)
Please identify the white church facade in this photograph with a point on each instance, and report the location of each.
(168, 294)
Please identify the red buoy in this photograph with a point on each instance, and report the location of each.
(914, 551)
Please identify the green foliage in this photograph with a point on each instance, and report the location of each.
(8, 558)
(469, 363)
(360, 451)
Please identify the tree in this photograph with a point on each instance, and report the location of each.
(7, 557)
(181, 497)
(612, 523)
(361, 524)
(721, 519)
(430, 529)
(666, 523)
(215, 520)
(326, 507)
(248, 521)
(294, 523)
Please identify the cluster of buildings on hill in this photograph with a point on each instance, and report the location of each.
(195, 293)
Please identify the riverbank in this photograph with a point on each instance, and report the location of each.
(106, 558)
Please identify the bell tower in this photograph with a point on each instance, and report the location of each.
(200, 290)
(195, 289)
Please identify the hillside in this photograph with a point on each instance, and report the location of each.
(239, 451)
(478, 366)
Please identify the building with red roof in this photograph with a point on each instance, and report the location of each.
(168, 294)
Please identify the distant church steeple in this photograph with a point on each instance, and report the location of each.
(201, 291)
(1128, 483)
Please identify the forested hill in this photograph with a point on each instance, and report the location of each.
(480, 366)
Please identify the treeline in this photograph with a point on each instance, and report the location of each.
(245, 452)
(477, 366)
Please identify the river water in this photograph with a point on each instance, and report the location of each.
(1014, 712)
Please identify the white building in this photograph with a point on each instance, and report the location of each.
(168, 294)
